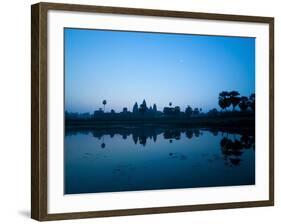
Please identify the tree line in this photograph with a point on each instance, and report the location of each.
(225, 100)
(233, 98)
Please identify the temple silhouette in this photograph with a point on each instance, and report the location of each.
(141, 114)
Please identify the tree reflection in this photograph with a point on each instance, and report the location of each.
(172, 134)
(232, 144)
(232, 149)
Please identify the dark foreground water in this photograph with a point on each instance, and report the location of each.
(146, 158)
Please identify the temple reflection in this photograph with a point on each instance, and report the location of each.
(232, 144)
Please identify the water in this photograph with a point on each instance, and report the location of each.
(148, 158)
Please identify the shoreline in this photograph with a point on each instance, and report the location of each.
(238, 121)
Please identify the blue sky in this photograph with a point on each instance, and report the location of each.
(127, 67)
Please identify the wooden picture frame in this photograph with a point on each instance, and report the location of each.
(39, 105)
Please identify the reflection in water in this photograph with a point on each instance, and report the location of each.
(232, 149)
(139, 135)
(176, 158)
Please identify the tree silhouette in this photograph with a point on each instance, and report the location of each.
(188, 111)
(170, 104)
(177, 110)
(222, 104)
(213, 112)
(234, 99)
(224, 100)
(252, 101)
(104, 103)
(243, 105)
(196, 111)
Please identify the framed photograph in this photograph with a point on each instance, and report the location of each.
(140, 111)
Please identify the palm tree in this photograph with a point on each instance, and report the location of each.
(224, 100)
(234, 99)
(222, 104)
(104, 103)
(244, 103)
